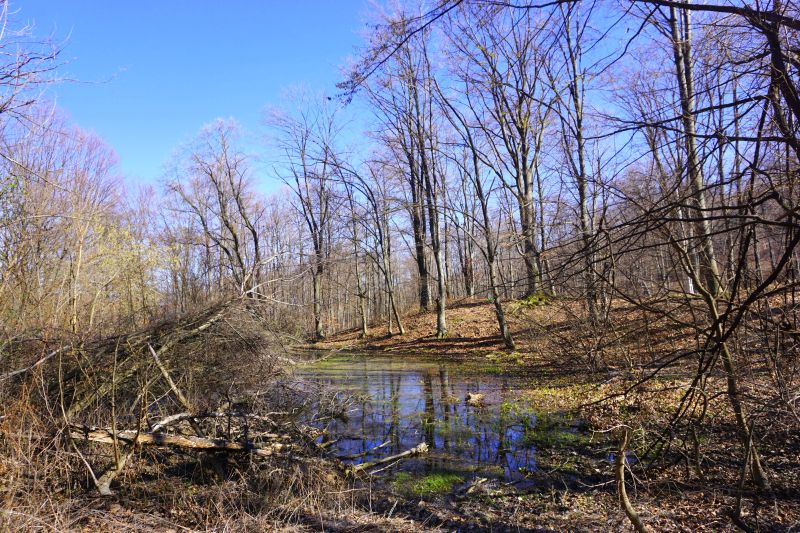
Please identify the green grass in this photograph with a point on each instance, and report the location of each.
(506, 358)
(428, 485)
(491, 368)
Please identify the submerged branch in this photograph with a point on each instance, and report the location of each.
(419, 449)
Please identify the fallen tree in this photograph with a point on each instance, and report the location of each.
(281, 444)
(202, 399)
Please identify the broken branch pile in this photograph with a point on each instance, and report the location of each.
(177, 388)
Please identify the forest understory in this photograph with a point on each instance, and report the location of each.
(285, 479)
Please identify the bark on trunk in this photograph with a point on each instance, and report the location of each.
(681, 42)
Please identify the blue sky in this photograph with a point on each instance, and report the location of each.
(149, 74)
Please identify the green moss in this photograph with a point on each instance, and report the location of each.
(534, 300)
(507, 409)
(491, 367)
(327, 362)
(507, 358)
(555, 431)
(427, 485)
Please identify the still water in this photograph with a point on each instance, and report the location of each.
(398, 402)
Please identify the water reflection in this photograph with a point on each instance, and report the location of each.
(403, 402)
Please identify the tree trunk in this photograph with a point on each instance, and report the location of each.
(319, 331)
(681, 43)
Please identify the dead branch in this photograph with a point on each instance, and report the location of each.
(171, 420)
(164, 372)
(419, 449)
(105, 436)
(619, 470)
(167, 342)
(36, 364)
(365, 452)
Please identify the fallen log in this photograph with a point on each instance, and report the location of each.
(142, 438)
(419, 449)
(364, 453)
(172, 420)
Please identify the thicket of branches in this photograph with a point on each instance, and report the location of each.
(641, 152)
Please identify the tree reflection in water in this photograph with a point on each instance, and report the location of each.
(405, 401)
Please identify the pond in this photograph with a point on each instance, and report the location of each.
(397, 402)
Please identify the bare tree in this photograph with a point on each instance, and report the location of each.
(211, 185)
(510, 100)
(307, 144)
(471, 168)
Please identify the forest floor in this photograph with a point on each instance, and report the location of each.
(598, 377)
(539, 328)
(568, 371)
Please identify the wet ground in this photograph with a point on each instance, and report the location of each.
(474, 419)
